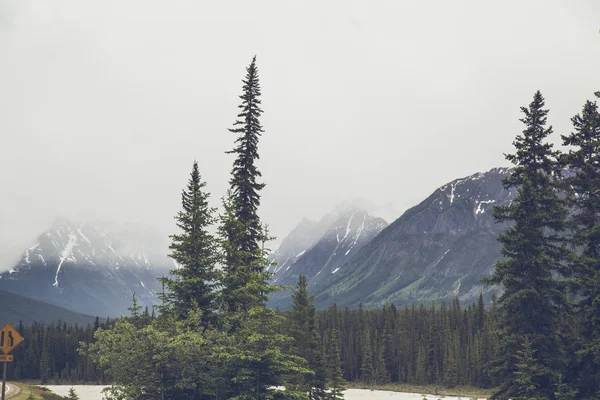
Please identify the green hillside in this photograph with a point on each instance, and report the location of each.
(15, 308)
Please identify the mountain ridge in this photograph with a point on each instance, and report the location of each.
(438, 249)
(87, 270)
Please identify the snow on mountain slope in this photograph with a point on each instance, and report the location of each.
(88, 270)
(346, 232)
(437, 250)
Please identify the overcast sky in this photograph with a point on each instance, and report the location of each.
(104, 105)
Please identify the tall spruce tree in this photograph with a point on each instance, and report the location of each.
(533, 300)
(244, 180)
(583, 186)
(194, 249)
(241, 225)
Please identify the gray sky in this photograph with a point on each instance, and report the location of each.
(104, 105)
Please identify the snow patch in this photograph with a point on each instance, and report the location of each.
(480, 209)
(63, 256)
(83, 236)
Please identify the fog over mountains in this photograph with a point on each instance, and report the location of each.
(435, 251)
(89, 269)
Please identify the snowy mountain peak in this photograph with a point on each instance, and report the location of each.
(71, 255)
(479, 192)
(339, 235)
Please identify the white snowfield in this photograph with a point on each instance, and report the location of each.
(87, 392)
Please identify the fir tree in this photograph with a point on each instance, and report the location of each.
(367, 372)
(258, 360)
(527, 373)
(335, 378)
(72, 395)
(564, 391)
(307, 342)
(381, 374)
(194, 249)
(583, 185)
(244, 183)
(533, 300)
(241, 230)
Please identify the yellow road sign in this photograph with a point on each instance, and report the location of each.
(9, 338)
(6, 358)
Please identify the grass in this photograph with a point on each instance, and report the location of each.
(464, 391)
(39, 393)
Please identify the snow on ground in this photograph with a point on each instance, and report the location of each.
(87, 392)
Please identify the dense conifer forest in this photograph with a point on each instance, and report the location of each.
(447, 345)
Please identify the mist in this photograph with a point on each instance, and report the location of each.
(104, 106)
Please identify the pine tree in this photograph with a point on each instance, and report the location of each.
(381, 374)
(259, 360)
(335, 378)
(564, 391)
(527, 373)
(72, 395)
(367, 372)
(241, 230)
(45, 367)
(244, 184)
(533, 300)
(307, 342)
(194, 249)
(583, 161)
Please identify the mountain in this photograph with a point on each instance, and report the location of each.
(88, 269)
(300, 239)
(318, 250)
(437, 250)
(17, 309)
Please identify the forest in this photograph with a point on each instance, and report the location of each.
(445, 345)
(213, 337)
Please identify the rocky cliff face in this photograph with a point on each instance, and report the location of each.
(88, 270)
(437, 250)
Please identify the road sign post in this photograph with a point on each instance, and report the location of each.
(9, 339)
(4, 381)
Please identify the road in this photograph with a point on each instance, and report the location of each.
(11, 390)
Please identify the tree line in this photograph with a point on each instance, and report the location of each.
(445, 344)
(549, 310)
(49, 354)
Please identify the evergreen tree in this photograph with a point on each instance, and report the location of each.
(241, 229)
(307, 342)
(335, 378)
(194, 249)
(367, 372)
(258, 359)
(533, 301)
(564, 391)
(72, 395)
(381, 374)
(527, 374)
(45, 367)
(583, 184)
(244, 184)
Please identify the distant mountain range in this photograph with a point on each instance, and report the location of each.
(88, 269)
(437, 250)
